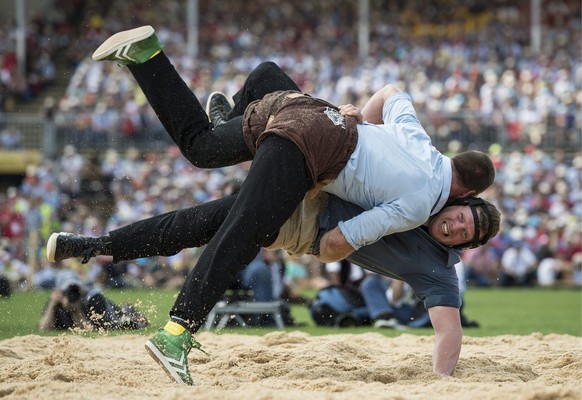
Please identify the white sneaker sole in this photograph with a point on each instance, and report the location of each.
(120, 40)
(208, 102)
(161, 360)
(210, 97)
(51, 247)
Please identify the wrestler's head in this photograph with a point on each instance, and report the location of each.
(466, 223)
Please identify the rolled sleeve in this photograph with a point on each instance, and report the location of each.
(442, 300)
(437, 289)
(398, 109)
(386, 219)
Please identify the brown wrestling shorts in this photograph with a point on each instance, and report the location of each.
(297, 236)
(323, 135)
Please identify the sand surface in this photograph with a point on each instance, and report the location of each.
(293, 365)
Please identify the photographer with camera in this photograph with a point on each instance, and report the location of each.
(73, 304)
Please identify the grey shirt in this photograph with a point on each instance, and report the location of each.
(412, 256)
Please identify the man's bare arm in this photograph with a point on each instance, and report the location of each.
(372, 111)
(448, 337)
(333, 246)
(47, 321)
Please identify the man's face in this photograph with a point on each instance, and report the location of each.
(453, 226)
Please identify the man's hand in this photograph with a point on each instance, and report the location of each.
(334, 246)
(349, 110)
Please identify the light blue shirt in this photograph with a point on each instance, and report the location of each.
(394, 173)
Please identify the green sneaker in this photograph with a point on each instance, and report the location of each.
(134, 46)
(171, 352)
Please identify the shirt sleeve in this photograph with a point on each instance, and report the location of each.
(436, 289)
(388, 218)
(398, 109)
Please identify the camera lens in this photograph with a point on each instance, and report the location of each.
(73, 293)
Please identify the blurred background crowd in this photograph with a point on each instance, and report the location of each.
(469, 67)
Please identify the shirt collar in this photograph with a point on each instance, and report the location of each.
(446, 185)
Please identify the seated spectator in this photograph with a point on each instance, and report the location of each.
(45, 277)
(12, 268)
(5, 285)
(344, 274)
(518, 262)
(5, 288)
(73, 304)
(262, 280)
(482, 266)
(259, 279)
(554, 269)
(10, 138)
(391, 303)
(577, 269)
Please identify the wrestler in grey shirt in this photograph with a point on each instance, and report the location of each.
(413, 257)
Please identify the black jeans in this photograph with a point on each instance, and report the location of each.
(169, 233)
(275, 185)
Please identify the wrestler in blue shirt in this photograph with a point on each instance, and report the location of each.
(395, 173)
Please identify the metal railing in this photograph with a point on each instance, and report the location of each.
(451, 132)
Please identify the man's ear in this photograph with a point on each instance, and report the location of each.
(470, 193)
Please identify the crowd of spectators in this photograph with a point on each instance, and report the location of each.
(22, 81)
(541, 239)
(537, 192)
(470, 69)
